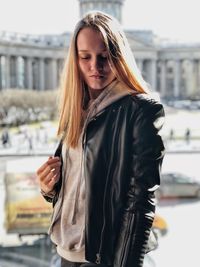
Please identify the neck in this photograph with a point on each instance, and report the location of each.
(93, 93)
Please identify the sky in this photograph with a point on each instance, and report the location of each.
(175, 20)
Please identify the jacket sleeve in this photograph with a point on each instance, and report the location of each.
(146, 159)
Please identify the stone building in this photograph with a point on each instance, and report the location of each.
(31, 61)
(35, 61)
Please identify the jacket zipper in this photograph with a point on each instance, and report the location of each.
(126, 243)
(98, 254)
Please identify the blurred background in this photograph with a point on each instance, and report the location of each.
(34, 40)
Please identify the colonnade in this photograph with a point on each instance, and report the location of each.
(176, 78)
(29, 72)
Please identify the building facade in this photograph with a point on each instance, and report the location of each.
(35, 61)
(30, 61)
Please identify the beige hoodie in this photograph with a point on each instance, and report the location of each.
(68, 230)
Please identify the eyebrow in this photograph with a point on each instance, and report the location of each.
(84, 50)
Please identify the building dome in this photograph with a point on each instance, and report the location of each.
(112, 7)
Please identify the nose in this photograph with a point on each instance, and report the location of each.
(96, 64)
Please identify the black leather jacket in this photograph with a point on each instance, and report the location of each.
(123, 153)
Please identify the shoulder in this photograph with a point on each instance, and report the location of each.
(146, 101)
(143, 103)
(146, 110)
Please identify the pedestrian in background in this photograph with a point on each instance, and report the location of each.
(187, 135)
(5, 138)
(171, 135)
(106, 169)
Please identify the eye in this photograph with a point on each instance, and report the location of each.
(103, 57)
(84, 58)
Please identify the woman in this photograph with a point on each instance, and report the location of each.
(103, 175)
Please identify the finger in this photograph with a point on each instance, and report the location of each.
(49, 182)
(49, 169)
(53, 160)
(41, 169)
(56, 170)
(54, 179)
(54, 175)
(52, 182)
(49, 162)
(48, 178)
(52, 165)
(55, 165)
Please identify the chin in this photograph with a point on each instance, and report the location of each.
(97, 87)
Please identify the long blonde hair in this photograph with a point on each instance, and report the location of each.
(73, 88)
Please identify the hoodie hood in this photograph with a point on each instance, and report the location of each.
(112, 93)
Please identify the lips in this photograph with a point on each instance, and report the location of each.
(97, 76)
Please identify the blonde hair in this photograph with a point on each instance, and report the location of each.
(73, 88)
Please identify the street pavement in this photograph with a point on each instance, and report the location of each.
(41, 140)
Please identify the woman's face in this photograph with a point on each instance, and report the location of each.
(93, 59)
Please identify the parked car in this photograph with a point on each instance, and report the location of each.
(178, 185)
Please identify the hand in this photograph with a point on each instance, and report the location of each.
(48, 174)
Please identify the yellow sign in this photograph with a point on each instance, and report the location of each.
(26, 210)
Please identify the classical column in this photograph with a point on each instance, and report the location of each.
(53, 74)
(177, 78)
(28, 73)
(1, 84)
(13, 72)
(163, 78)
(60, 65)
(7, 71)
(196, 76)
(41, 74)
(153, 75)
(17, 71)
